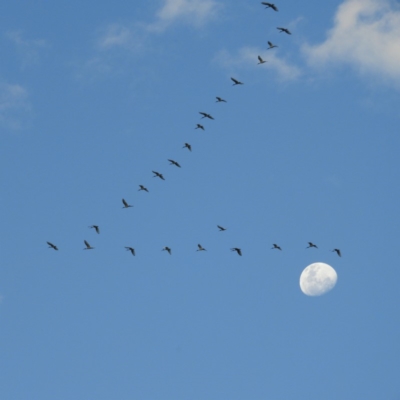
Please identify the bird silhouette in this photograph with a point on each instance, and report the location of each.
(269, 5)
(131, 249)
(200, 248)
(126, 205)
(275, 246)
(284, 30)
(88, 246)
(157, 174)
(141, 187)
(172, 162)
(205, 115)
(337, 251)
(221, 228)
(187, 146)
(260, 60)
(52, 246)
(239, 251)
(199, 126)
(166, 248)
(96, 228)
(271, 45)
(310, 244)
(236, 82)
(220, 100)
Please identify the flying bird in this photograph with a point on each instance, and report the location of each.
(131, 249)
(187, 146)
(157, 174)
(236, 82)
(52, 246)
(199, 126)
(311, 245)
(221, 228)
(337, 251)
(237, 250)
(172, 162)
(271, 45)
(261, 61)
(275, 247)
(96, 228)
(284, 30)
(220, 100)
(126, 205)
(141, 187)
(200, 248)
(88, 246)
(166, 248)
(205, 115)
(270, 5)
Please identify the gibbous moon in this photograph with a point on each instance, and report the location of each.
(317, 279)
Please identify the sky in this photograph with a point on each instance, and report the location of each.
(96, 96)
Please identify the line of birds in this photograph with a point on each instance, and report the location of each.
(189, 147)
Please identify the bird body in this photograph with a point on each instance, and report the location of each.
(200, 248)
(260, 60)
(131, 249)
(310, 244)
(199, 126)
(166, 248)
(52, 246)
(141, 187)
(221, 228)
(275, 246)
(220, 100)
(205, 115)
(157, 174)
(271, 45)
(96, 228)
(172, 162)
(88, 246)
(239, 251)
(236, 82)
(187, 146)
(284, 30)
(337, 251)
(125, 203)
(270, 5)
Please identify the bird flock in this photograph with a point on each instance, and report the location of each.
(188, 146)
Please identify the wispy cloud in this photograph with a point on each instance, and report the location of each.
(365, 35)
(28, 49)
(14, 106)
(120, 36)
(246, 57)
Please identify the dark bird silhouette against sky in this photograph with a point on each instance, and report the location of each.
(221, 228)
(172, 162)
(270, 5)
(166, 248)
(187, 146)
(239, 251)
(284, 30)
(158, 175)
(337, 251)
(205, 115)
(220, 100)
(131, 249)
(88, 246)
(310, 244)
(271, 45)
(260, 60)
(125, 203)
(52, 246)
(200, 248)
(96, 228)
(276, 247)
(199, 126)
(141, 187)
(236, 82)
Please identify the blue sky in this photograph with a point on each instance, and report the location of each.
(95, 96)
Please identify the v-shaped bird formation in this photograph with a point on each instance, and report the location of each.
(156, 174)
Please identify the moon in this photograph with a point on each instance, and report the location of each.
(317, 279)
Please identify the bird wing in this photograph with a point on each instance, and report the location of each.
(86, 244)
(124, 202)
(234, 80)
(239, 252)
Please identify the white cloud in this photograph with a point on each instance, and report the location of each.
(14, 106)
(247, 57)
(365, 35)
(28, 49)
(194, 12)
(120, 36)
